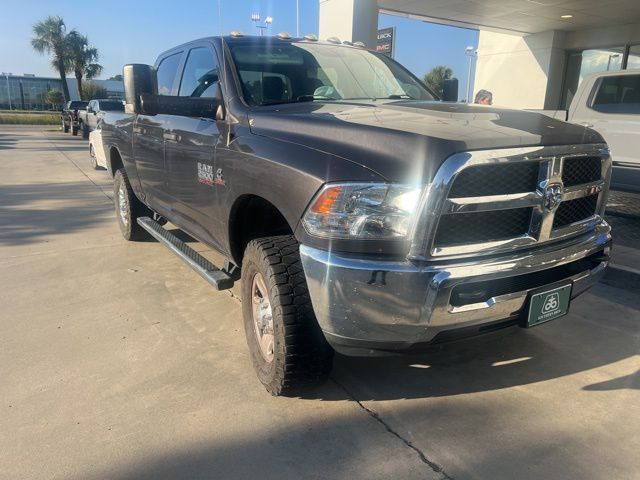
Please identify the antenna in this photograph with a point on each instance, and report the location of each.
(224, 73)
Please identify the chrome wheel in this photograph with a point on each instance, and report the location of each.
(262, 316)
(123, 205)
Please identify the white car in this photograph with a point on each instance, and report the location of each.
(96, 150)
(609, 102)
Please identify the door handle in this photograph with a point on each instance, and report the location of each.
(138, 130)
(172, 137)
(587, 124)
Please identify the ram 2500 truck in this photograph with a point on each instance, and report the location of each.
(363, 214)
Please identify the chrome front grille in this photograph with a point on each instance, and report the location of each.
(497, 201)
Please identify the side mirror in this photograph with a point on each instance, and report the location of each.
(450, 90)
(152, 104)
(138, 79)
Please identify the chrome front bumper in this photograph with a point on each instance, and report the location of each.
(366, 306)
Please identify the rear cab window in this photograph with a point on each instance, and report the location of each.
(617, 94)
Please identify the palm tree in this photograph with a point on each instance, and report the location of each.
(436, 77)
(50, 37)
(82, 58)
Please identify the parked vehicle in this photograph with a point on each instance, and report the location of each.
(360, 213)
(89, 118)
(96, 150)
(609, 102)
(69, 116)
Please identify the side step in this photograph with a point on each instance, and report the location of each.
(203, 267)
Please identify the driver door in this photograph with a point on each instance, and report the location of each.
(190, 145)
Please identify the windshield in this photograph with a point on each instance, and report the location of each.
(302, 72)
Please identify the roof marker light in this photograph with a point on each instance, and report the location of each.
(284, 36)
(347, 42)
(237, 33)
(310, 37)
(359, 44)
(334, 40)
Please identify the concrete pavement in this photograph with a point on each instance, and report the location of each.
(119, 362)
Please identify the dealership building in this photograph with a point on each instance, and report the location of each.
(530, 54)
(26, 92)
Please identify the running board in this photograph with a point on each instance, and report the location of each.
(203, 267)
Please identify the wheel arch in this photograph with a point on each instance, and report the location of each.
(266, 220)
(114, 161)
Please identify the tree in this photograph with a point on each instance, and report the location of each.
(436, 77)
(82, 59)
(117, 77)
(53, 97)
(91, 90)
(50, 37)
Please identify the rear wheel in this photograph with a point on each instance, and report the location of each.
(65, 127)
(85, 130)
(288, 350)
(74, 130)
(128, 208)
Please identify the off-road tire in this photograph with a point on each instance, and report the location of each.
(301, 355)
(65, 127)
(132, 209)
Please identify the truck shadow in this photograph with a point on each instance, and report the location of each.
(603, 328)
(31, 212)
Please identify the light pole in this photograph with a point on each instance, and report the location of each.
(255, 17)
(6, 75)
(297, 19)
(615, 55)
(469, 52)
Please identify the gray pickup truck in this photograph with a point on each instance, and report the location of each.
(91, 116)
(360, 213)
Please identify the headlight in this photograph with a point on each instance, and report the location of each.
(363, 211)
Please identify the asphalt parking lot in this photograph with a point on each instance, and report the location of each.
(119, 362)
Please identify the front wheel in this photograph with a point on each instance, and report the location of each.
(65, 127)
(128, 208)
(74, 130)
(287, 347)
(85, 131)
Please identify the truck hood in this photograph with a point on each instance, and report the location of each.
(406, 141)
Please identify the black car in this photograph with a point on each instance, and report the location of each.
(360, 212)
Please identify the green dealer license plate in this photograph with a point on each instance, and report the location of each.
(545, 306)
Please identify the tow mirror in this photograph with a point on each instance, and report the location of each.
(152, 104)
(450, 90)
(138, 79)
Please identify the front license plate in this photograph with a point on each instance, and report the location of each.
(545, 306)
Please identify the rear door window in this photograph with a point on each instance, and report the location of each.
(618, 94)
(166, 73)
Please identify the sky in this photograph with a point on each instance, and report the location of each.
(136, 31)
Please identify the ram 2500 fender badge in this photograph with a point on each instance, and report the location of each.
(207, 177)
